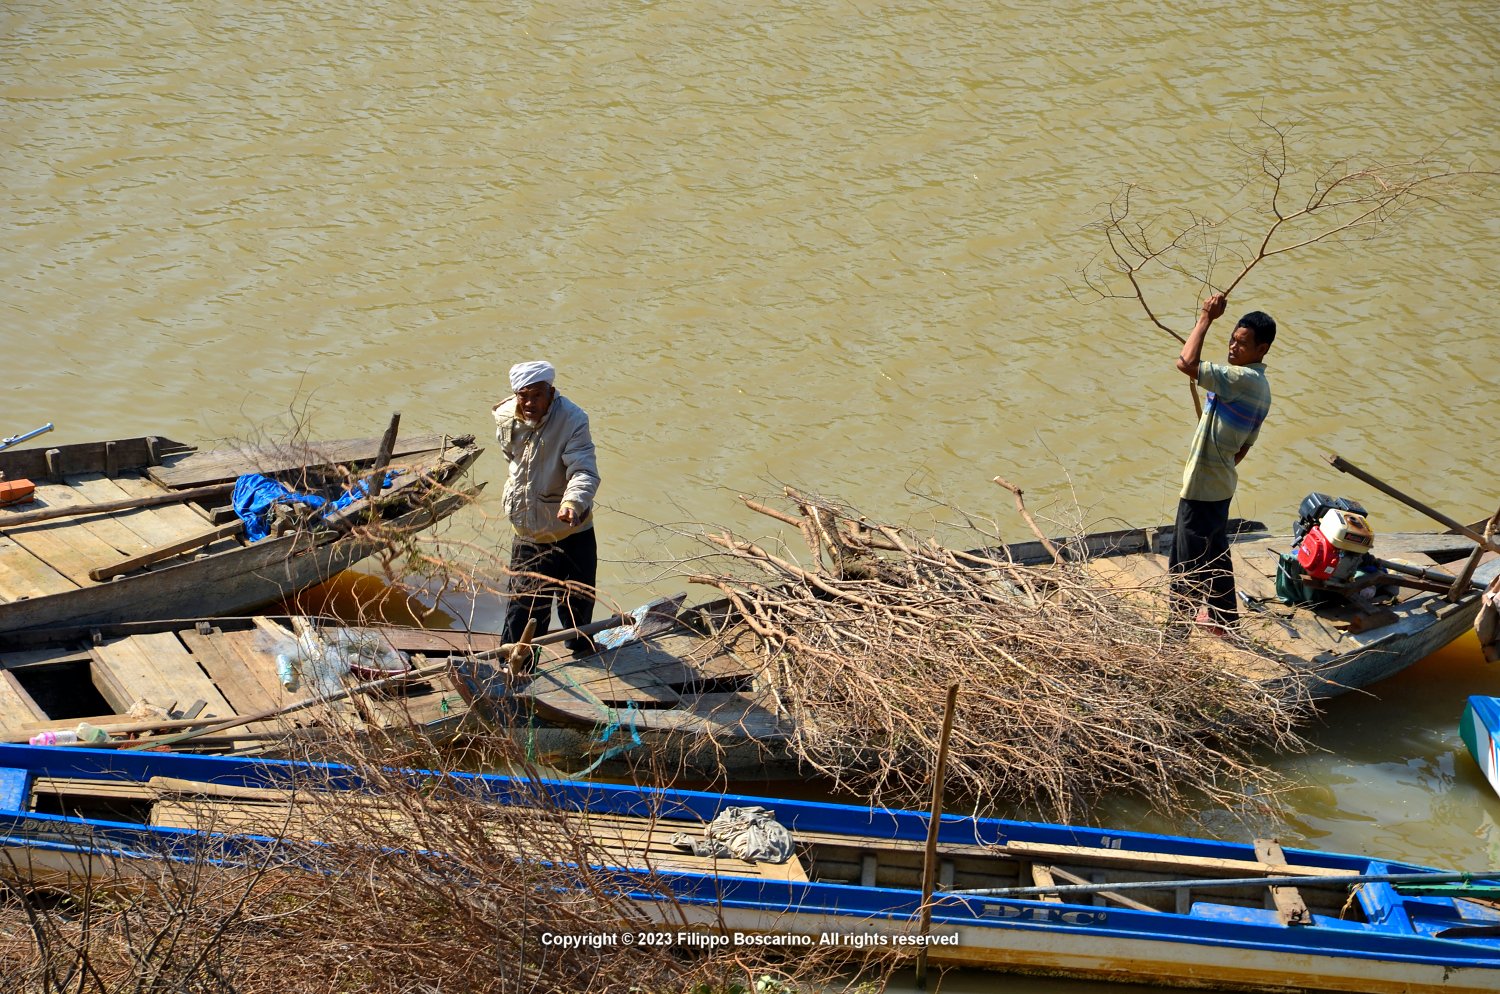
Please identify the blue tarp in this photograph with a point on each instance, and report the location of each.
(254, 495)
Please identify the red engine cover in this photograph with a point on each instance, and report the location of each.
(1318, 555)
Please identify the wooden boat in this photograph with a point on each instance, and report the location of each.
(153, 681)
(713, 693)
(146, 683)
(1330, 648)
(1010, 896)
(680, 701)
(137, 529)
(1480, 730)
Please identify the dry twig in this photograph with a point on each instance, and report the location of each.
(1072, 688)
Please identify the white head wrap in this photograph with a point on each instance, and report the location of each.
(524, 374)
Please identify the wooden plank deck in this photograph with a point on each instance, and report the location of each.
(183, 520)
(56, 556)
(152, 529)
(634, 843)
(68, 545)
(239, 686)
(16, 706)
(23, 575)
(159, 669)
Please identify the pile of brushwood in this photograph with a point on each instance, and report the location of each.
(1069, 687)
(412, 885)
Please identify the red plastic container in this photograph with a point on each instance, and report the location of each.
(15, 491)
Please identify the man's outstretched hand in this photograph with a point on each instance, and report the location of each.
(1213, 307)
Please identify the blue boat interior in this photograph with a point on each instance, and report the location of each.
(855, 862)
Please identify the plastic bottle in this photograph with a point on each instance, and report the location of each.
(286, 672)
(90, 734)
(54, 738)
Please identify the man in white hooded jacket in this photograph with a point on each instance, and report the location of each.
(549, 500)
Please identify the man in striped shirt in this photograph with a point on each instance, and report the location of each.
(1239, 397)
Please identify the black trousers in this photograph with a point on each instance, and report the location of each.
(540, 571)
(1202, 572)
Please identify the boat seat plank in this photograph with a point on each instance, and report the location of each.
(627, 661)
(1290, 907)
(15, 658)
(1164, 862)
(91, 787)
(435, 642)
(601, 694)
(24, 575)
(728, 714)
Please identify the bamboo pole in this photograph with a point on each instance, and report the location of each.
(109, 506)
(929, 858)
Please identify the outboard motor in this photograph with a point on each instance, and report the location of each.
(1331, 543)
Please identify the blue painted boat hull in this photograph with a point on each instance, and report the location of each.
(1392, 943)
(1480, 728)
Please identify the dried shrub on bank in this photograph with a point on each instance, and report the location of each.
(413, 887)
(1070, 687)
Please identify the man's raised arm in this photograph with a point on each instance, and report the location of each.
(1192, 349)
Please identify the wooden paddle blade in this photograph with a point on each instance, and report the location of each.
(651, 619)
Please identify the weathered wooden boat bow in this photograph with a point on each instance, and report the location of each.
(139, 529)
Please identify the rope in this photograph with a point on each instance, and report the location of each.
(613, 751)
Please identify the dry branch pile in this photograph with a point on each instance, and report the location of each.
(1068, 689)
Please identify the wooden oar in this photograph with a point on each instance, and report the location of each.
(301, 705)
(1344, 466)
(108, 506)
(658, 616)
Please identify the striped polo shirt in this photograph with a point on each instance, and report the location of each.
(1238, 400)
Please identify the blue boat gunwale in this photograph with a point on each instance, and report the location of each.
(1361, 940)
(841, 901)
(659, 802)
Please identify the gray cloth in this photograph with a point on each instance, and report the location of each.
(551, 464)
(746, 833)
